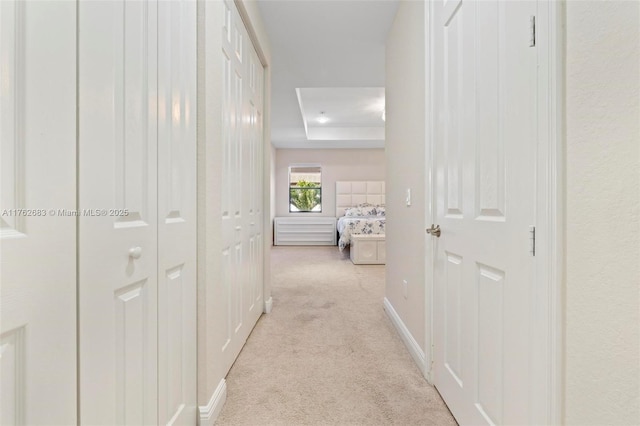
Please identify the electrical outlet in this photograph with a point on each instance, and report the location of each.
(404, 288)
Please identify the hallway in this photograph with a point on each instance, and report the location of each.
(327, 354)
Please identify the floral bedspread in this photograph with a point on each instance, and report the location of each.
(358, 225)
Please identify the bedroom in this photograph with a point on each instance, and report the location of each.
(345, 178)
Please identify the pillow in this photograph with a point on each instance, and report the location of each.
(369, 210)
(352, 212)
(362, 210)
(365, 209)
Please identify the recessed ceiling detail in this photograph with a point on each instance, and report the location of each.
(342, 113)
(323, 44)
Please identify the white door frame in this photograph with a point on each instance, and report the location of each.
(550, 184)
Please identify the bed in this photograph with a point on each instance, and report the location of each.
(360, 214)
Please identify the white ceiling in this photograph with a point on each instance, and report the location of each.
(335, 45)
(342, 113)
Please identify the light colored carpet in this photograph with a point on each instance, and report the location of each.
(327, 354)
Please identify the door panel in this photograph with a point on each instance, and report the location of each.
(254, 300)
(490, 323)
(490, 156)
(177, 322)
(118, 169)
(240, 300)
(231, 218)
(131, 350)
(453, 320)
(485, 80)
(37, 213)
(453, 104)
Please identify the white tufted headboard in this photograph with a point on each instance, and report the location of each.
(350, 193)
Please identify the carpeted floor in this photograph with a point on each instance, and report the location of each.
(327, 354)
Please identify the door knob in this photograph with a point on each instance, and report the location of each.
(434, 230)
(135, 252)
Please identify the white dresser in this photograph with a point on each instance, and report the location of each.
(305, 231)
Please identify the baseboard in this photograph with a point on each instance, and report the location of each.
(268, 304)
(414, 349)
(210, 412)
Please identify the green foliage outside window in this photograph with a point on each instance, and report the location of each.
(305, 196)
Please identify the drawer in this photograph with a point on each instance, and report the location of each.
(305, 231)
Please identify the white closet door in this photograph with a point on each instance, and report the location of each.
(254, 193)
(239, 294)
(485, 136)
(229, 309)
(37, 245)
(118, 131)
(177, 212)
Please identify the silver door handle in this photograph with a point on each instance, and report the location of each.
(434, 230)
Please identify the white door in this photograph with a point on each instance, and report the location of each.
(137, 259)
(484, 80)
(37, 206)
(254, 194)
(230, 291)
(177, 322)
(239, 295)
(118, 139)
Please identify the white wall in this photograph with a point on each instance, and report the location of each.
(602, 358)
(405, 141)
(337, 164)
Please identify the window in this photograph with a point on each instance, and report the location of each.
(305, 189)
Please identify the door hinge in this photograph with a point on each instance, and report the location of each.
(532, 240)
(532, 31)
